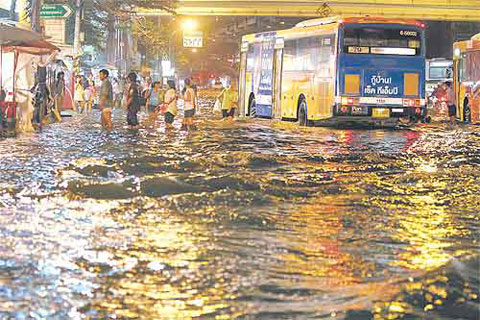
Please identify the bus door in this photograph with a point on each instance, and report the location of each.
(457, 67)
(277, 81)
(242, 79)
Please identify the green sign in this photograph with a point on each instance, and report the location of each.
(56, 11)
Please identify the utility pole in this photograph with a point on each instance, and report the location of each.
(78, 22)
(36, 6)
(13, 9)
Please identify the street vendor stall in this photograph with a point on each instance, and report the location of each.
(21, 51)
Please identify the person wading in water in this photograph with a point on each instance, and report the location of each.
(133, 102)
(106, 99)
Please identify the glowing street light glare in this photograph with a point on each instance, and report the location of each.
(189, 24)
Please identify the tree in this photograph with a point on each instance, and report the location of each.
(78, 18)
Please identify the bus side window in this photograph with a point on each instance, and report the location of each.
(309, 52)
(327, 48)
(289, 56)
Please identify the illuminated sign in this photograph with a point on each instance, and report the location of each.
(193, 39)
(244, 46)
(167, 69)
(279, 43)
(409, 33)
(394, 51)
(359, 50)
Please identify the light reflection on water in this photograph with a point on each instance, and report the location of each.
(252, 219)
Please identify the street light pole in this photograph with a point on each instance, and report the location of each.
(170, 49)
(187, 25)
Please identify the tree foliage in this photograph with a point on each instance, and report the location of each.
(153, 35)
(98, 13)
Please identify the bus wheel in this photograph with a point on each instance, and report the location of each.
(302, 114)
(467, 114)
(252, 108)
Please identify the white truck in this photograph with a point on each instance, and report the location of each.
(438, 71)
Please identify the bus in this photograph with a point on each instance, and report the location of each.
(334, 71)
(466, 79)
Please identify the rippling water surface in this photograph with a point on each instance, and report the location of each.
(250, 219)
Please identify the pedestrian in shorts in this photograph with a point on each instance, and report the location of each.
(452, 108)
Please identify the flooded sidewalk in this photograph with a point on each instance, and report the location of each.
(247, 219)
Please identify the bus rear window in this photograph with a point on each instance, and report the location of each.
(406, 42)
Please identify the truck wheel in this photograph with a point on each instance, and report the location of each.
(252, 108)
(467, 113)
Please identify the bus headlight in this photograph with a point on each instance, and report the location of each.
(457, 52)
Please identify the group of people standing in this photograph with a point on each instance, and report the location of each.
(84, 94)
(154, 97)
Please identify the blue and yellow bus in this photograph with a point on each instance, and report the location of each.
(332, 71)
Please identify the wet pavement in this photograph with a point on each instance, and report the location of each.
(251, 219)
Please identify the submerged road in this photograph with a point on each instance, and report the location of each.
(254, 220)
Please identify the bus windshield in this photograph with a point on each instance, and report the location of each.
(440, 72)
(374, 40)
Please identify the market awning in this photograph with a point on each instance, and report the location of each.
(11, 36)
(24, 41)
(39, 47)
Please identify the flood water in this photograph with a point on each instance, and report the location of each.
(249, 220)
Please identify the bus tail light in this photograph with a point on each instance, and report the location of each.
(350, 101)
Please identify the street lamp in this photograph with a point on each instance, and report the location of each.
(188, 25)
